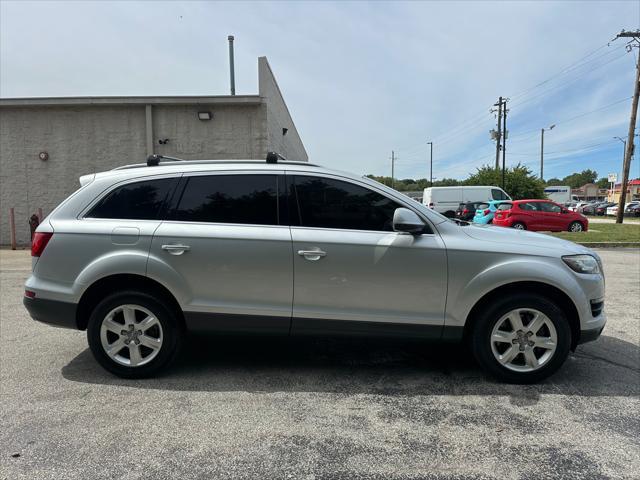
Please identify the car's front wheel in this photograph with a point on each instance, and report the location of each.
(134, 334)
(522, 338)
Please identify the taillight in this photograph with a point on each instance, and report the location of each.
(486, 212)
(39, 243)
(465, 211)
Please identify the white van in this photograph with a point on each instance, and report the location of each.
(446, 200)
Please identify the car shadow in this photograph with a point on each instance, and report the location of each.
(608, 366)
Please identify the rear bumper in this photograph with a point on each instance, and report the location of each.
(53, 312)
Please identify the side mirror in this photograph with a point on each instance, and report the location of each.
(564, 210)
(405, 220)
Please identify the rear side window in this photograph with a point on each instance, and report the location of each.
(530, 206)
(504, 206)
(134, 201)
(329, 203)
(482, 206)
(246, 199)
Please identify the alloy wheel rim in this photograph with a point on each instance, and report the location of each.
(131, 335)
(524, 340)
(576, 227)
(518, 226)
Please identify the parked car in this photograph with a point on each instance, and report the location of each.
(631, 206)
(601, 209)
(590, 208)
(485, 212)
(540, 215)
(633, 210)
(578, 206)
(466, 211)
(142, 254)
(446, 200)
(613, 209)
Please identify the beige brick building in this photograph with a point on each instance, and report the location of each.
(89, 134)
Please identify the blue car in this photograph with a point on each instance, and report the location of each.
(486, 211)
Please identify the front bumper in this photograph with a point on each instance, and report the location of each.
(590, 335)
(53, 312)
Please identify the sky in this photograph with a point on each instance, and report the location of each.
(360, 79)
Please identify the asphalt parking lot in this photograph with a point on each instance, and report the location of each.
(317, 408)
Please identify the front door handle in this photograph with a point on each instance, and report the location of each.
(313, 255)
(176, 249)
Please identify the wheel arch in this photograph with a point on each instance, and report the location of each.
(559, 297)
(113, 283)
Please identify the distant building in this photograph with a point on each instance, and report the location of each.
(633, 191)
(47, 143)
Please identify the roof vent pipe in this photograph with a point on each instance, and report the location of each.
(232, 72)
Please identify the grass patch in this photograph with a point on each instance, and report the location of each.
(604, 232)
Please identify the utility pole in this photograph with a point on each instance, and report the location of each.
(498, 134)
(431, 165)
(634, 42)
(504, 139)
(542, 150)
(393, 164)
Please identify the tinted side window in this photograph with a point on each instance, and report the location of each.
(134, 201)
(549, 207)
(250, 199)
(329, 203)
(498, 194)
(529, 206)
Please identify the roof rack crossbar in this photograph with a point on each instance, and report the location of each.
(154, 160)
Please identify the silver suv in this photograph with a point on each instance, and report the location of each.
(142, 254)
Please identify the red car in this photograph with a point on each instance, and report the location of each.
(539, 215)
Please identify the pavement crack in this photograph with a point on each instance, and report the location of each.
(606, 360)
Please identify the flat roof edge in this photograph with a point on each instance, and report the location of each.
(123, 101)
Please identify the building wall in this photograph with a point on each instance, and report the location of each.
(78, 141)
(288, 145)
(87, 139)
(234, 132)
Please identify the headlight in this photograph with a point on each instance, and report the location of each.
(582, 263)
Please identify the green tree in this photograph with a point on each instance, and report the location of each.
(520, 182)
(577, 180)
(554, 181)
(603, 183)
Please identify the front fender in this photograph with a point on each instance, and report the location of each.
(466, 291)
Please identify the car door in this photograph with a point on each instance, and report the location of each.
(553, 219)
(225, 248)
(352, 272)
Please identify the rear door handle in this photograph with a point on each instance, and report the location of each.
(176, 248)
(313, 255)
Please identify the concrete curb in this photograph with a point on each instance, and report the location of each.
(610, 244)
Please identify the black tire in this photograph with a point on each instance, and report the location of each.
(172, 333)
(480, 337)
(576, 224)
(520, 226)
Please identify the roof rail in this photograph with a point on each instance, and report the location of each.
(156, 160)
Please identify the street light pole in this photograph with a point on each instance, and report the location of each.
(431, 165)
(542, 150)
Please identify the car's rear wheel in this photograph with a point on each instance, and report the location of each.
(133, 334)
(523, 338)
(575, 227)
(519, 226)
